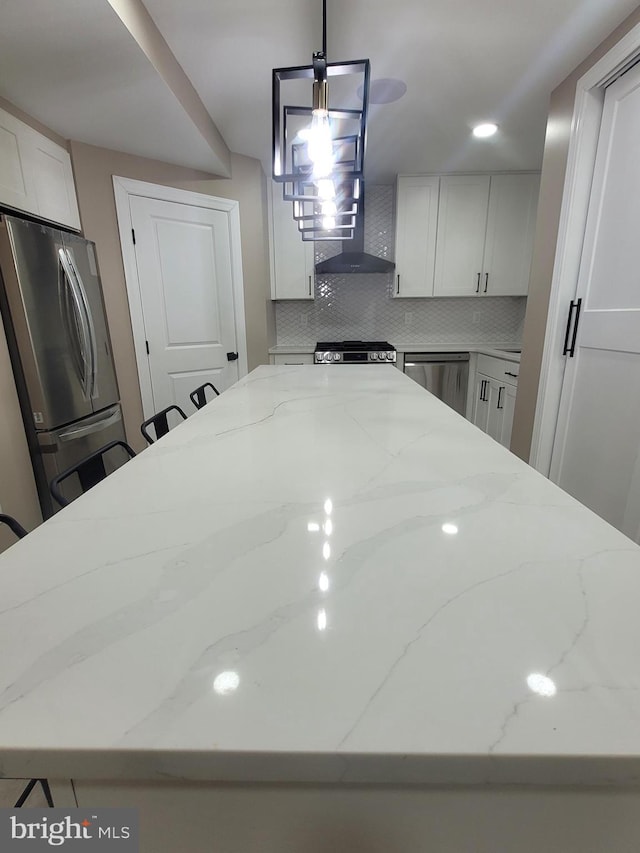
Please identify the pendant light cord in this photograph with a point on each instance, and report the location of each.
(324, 27)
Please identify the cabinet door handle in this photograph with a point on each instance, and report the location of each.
(398, 277)
(486, 281)
(483, 383)
(309, 285)
(478, 284)
(500, 390)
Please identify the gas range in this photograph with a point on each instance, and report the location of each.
(354, 352)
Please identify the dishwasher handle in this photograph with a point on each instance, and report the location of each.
(434, 357)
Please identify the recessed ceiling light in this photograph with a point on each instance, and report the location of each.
(484, 130)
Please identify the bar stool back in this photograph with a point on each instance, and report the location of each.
(13, 525)
(89, 470)
(160, 423)
(199, 395)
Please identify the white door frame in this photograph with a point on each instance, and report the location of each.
(583, 142)
(123, 189)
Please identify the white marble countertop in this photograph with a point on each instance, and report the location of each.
(505, 354)
(324, 575)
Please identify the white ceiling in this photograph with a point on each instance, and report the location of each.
(74, 66)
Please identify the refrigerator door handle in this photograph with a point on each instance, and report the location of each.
(93, 392)
(97, 426)
(82, 322)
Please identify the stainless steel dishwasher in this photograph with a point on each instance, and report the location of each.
(444, 374)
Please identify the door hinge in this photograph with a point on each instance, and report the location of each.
(133, 236)
(147, 346)
(232, 356)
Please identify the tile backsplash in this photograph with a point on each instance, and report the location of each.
(361, 306)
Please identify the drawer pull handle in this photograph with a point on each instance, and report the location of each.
(478, 284)
(508, 373)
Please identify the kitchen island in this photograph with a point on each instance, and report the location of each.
(328, 613)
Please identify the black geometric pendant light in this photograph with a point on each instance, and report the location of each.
(318, 148)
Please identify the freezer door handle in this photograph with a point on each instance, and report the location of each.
(97, 426)
(81, 320)
(93, 391)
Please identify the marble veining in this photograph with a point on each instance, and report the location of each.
(323, 575)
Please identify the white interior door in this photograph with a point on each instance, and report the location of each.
(184, 263)
(597, 442)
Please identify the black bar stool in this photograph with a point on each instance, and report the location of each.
(13, 525)
(160, 423)
(90, 470)
(199, 395)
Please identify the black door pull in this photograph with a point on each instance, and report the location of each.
(570, 350)
(232, 356)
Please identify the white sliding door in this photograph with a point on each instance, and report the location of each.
(596, 453)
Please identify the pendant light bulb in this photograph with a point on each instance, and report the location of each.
(326, 188)
(319, 146)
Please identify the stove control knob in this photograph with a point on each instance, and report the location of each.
(390, 356)
(336, 356)
(374, 356)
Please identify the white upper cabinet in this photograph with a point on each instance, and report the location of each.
(511, 219)
(486, 227)
(462, 220)
(465, 235)
(416, 224)
(35, 174)
(17, 187)
(53, 177)
(292, 258)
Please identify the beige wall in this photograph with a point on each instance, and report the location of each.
(93, 169)
(551, 189)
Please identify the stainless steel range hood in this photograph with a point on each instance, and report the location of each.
(355, 259)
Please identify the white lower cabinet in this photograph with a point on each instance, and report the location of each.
(495, 397)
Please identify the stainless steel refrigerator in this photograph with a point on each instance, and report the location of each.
(54, 316)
